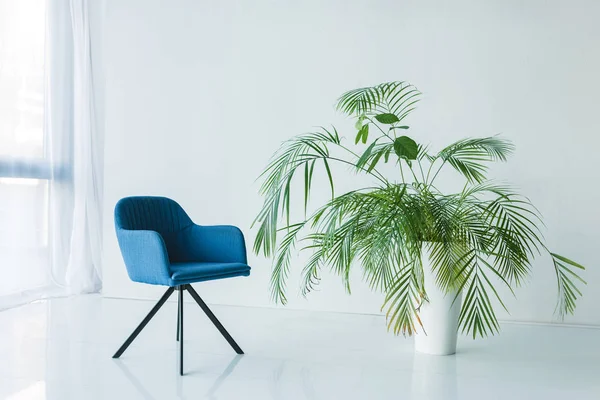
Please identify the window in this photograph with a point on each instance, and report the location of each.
(23, 177)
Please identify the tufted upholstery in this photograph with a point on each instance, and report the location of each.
(161, 245)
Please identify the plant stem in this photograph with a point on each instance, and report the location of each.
(382, 131)
(401, 172)
(379, 174)
(422, 174)
(437, 172)
(413, 172)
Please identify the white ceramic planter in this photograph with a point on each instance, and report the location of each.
(438, 316)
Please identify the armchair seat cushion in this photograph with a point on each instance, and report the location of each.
(189, 272)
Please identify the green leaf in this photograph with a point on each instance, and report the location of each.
(399, 127)
(567, 280)
(358, 136)
(306, 185)
(387, 118)
(375, 161)
(387, 155)
(359, 122)
(567, 261)
(364, 158)
(406, 148)
(329, 176)
(362, 135)
(308, 174)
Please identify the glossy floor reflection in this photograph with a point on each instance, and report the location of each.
(61, 349)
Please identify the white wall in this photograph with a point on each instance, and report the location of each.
(200, 93)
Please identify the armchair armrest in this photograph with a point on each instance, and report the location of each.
(145, 256)
(217, 243)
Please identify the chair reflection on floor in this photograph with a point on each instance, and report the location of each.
(210, 393)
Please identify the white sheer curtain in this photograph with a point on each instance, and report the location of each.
(50, 152)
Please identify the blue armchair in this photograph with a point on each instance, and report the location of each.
(161, 245)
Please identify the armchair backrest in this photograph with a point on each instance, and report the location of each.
(159, 214)
(184, 241)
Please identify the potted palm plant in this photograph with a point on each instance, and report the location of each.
(437, 257)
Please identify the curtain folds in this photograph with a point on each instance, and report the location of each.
(83, 268)
(54, 197)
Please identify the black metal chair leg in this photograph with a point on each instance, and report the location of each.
(181, 289)
(214, 319)
(178, 311)
(144, 322)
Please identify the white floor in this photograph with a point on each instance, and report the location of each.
(61, 349)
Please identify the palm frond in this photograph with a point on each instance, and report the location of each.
(396, 98)
(311, 272)
(373, 154)
(477, 315)
(567, 280)
(281, 264)
(301, 153)
(469, 156)
(340, 226)
(514, 235)
(402, 299)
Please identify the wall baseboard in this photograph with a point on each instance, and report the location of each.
(551, 324)
(502, 321)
